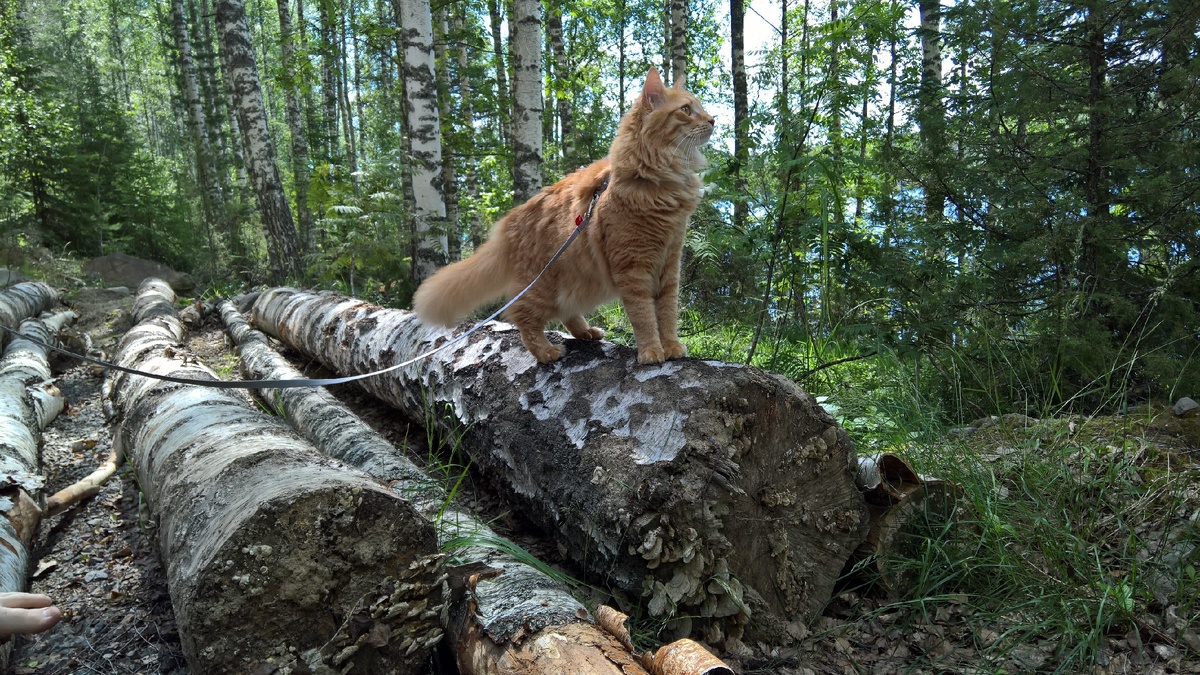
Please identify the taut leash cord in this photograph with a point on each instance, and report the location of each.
(296, 383)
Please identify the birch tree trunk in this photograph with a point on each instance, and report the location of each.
(930, 110)
(274, 554)
(343, 83)
(526, 45)
(28, 402)
(424, 128)
(295, 119)
(329, 96)
(503, 99)
(502, 618)
(446, 117)
(741, 112)
(477, 233)
(237, 53)
(679, 17)
(562, 83)
(210, 192)
(208, 74)
(721, 496)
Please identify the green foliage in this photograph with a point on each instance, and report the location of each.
(1020, 235)
(1061, 539)
(78, 178)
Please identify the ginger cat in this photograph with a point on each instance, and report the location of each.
(630, 249)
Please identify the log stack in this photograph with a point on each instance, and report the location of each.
(277, 557)
(720, 497)
(514, 619)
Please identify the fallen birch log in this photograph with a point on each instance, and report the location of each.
(505, 620)
(720, 496)
(274, 553)
(28, 402)
(23, 300)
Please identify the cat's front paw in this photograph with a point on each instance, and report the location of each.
(674, 349)
(594, 333)
(653, 354)
(549, 353)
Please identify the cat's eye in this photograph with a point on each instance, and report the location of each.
(686, 110)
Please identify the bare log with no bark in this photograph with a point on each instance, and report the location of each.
(28, 402)
(720, 495)
(515, 619)
(274, 553)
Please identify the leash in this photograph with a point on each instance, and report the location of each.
(580, 223)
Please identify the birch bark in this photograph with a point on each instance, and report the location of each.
(489, 623)
(721, 496)
(237, 53)
(679, 17)
(295, 119)
(477, 233)
(741, 113)
(562, 84)
(28, 402)
(424, 129)
(274, 554)
(206, 171)
(526, 44)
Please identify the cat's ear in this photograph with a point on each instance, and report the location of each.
(679, 84)
(654, 93)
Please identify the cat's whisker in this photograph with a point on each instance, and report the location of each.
(687, 147)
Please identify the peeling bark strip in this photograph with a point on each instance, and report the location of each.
(718, 493)
(274, 553)
(498, 621)
(28, 402)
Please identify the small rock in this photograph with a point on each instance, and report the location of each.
(95, 575)
(1165, 652)
(1184, 406)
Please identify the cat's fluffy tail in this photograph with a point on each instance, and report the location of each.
(458, 289)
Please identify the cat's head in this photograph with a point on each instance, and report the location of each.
(666, 127)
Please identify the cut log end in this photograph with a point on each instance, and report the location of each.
(341, 562)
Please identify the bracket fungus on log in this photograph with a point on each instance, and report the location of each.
(275, 553)
(720, 496)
